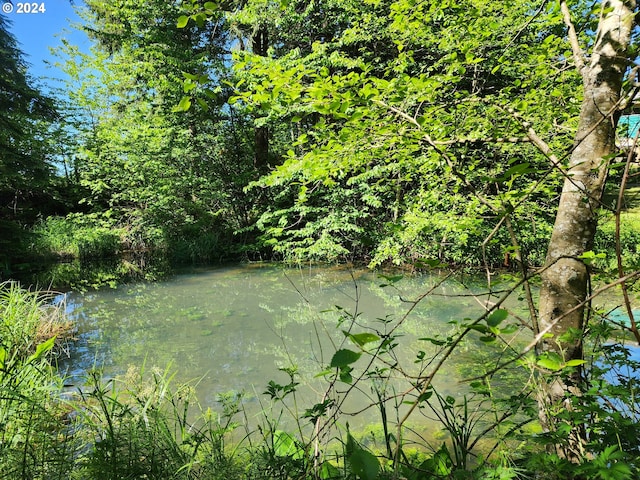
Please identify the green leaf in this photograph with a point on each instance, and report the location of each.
(590, 256)
(344, 357)
(441, 463)
(516, 170)
(182, 21)
(329, 472)
(345, 375)
(487, 339)
(363, 463)
(203, 105)
(200, 19)
(41, 349)
(509, 329)
(479, 328)
(188, 85)
(497, 317)
(423, 397)
(284, 445)
(362, 339)
(183, 106)
(550, 361)
(575, 363)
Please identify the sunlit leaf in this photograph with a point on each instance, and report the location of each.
(285, 445)
(575, 363)
(329, 472)
(182, 21)
(183, 106)
(362, 339)
(550, 361)
(42, 348)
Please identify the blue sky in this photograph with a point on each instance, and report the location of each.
(38, 32)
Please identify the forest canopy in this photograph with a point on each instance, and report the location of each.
(378, 132)
(295, 131)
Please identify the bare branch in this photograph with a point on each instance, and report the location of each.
(578, 54)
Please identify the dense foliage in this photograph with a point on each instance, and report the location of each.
(384, 131)
(418, 151)
(167, 179)
(27, 150)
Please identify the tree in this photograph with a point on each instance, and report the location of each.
(565, 279)
(26, 165)
(165, 175)
(458, 85)
(457, 120)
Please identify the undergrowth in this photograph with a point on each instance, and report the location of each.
(142, 425)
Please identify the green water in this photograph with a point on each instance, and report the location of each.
(232, 328)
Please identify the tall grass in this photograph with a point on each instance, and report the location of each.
(79, 237)
(32, 417)
(147, 429)
(138, 426)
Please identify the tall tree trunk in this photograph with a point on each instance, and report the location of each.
(565, 281)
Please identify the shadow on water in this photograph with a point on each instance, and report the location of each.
(91, 274)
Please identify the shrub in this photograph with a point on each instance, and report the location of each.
(605, 241)
(76, 236)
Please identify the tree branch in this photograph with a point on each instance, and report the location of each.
(578, 54)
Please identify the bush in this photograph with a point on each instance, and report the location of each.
(605, 241)
(76, 236)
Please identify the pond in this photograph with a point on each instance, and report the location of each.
(232, 328)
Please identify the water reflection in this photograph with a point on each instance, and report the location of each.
(234, 327)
